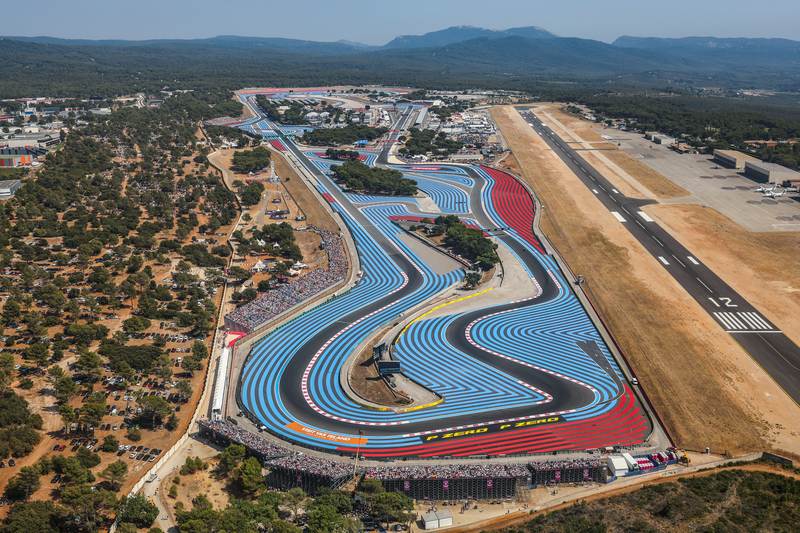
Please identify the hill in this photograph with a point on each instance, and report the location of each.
(458, 57)
(733, 52)
(456, 34)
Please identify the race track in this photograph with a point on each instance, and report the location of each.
(523, 376)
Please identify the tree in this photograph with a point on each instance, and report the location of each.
(87, 505)
(340, 500)
(6, 370)
(471, 280)
(294, 498)
(325, 519)
(391, 506)
(68, 416)
(64, 388)
(38, 516)
(115, 474)
(87, 458)
(184, 389)
(39, 353)
(199, 350)
(230, 458)
(138, 511)
(110, 443)
(248, 476)
(154, 409)
(11, 311)
(135, 324)
(24, 484)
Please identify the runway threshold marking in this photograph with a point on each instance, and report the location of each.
(618, 216)
(743, 322)
(645, 216)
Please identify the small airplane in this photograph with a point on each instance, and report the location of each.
(774, 194)
(764, 188)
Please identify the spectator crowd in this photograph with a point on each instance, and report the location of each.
(450, 471)
(274, 302)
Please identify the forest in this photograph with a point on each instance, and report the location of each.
(338, 136)
(358, 177)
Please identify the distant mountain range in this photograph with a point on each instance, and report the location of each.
(457, 34)
(456, 56)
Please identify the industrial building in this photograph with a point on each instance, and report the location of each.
(8, 188)
(732, 159)
(35, 139)
(17, 157)
(659, 138)
(770, 173)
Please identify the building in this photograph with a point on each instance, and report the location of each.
(770, 173)
(437, 519)
(617, 466)
(430, 520)
(732, 159)
(29, 140)
(659, 138)
(8, 188)
(17, 157)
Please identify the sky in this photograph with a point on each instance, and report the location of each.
(377, 21)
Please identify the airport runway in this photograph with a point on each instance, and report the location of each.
(773, 350)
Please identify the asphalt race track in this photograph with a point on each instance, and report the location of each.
(523, 376)
(773, 350)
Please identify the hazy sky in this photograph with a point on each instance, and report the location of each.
(377, 21)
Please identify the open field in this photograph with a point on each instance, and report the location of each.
(615, 164)
(706, 389)
(763, 267)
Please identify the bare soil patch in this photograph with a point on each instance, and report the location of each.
(202, 482)
(707, 390)
(367, 383)
(308, 202)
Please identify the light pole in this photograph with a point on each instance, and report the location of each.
(358, 449)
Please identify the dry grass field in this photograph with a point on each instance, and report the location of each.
(763, 267)
(706, 389)
(608, 158)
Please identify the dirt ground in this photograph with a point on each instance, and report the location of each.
(314, 211)
(763, 267)
(706, 389)
(367, 383)
(607, 156)
(202, 482)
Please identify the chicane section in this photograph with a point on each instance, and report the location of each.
(532, 375)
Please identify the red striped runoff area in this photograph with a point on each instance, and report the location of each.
(514, 205)
(624, 425)
(278, 146)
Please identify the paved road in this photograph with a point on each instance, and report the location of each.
(567, 393)
(773, 350)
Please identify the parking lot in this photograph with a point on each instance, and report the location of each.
(724, 189)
